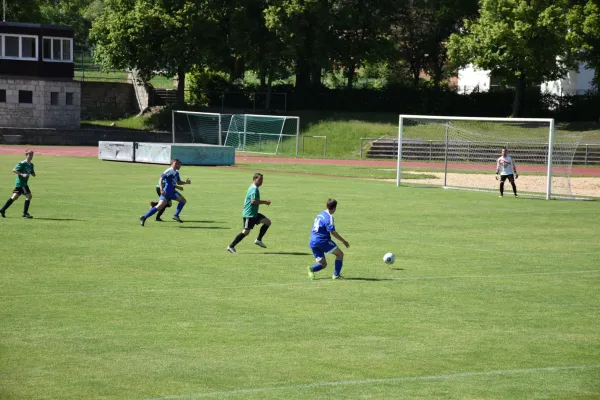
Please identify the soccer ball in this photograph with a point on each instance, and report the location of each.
(389, 258)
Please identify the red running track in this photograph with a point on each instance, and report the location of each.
(80, 151)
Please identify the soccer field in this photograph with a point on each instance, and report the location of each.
(488, 299)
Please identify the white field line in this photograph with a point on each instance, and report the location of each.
(309, 386)
(308, 284)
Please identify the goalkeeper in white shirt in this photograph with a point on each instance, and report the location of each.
(505, 166)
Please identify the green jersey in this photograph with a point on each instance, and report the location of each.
(251, 210)
(23, 167)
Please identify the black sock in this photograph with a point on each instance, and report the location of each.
(26, 206)
(514, 189)
(263, 230)
(237, 239)
(160, 212)
(8, 203)
(501, 188)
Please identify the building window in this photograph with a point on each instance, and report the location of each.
(11, 46)
(57, 49)
(19, 47)
(2, 95)
(25, 96)
(69, 99)
(54, 98)
(28, 48)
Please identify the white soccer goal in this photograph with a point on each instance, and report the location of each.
(466, 150)
(199, 127)
(272, 134)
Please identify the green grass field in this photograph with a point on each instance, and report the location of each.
(488, 298)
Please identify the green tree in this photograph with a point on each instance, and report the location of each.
(585, 19)
(303, 27)
(165, 37)
(359, 34)
(522, 41)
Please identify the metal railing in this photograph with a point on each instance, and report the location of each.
(324, 143)
(468, 151)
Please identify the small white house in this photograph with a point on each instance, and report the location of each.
(471, 78)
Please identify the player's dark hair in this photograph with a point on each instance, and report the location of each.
(28, 152)
(331, 204)
(175, 159)
(256, 176)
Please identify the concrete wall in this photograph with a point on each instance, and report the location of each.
(78, 137)
(40, 113)
(107, 100)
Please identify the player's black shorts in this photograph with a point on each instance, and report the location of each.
(511, 178)
(22, 190)
(250, 222)
(158, 191)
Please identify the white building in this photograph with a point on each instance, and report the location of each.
(471, 78)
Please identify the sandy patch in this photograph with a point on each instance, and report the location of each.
(586, 186)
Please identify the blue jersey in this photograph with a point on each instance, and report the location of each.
(170, 177)
(321, 229)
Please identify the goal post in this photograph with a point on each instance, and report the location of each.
(269, 134)
(464, 151)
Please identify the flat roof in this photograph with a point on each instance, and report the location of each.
(39, 26)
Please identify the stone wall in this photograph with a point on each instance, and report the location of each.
(78, 137)
(41, 112)
(107, 100)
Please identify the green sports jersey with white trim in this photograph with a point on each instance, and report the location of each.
(251, 210)
(23, 167)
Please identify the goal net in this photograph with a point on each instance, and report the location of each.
(462, 152)
(246, 132)
(199, 127)
(263, 133)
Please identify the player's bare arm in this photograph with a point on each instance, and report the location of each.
(340, 238)
(267, 202)
(186, 182)
(24, 175)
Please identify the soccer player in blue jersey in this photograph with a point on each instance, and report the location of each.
(168, 182)
(155, 203)
(320, 242)
(251, 216)
(24, 170)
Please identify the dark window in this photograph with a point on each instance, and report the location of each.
(2, 95)
(56, 49)
(11, 44)
(66, 50)
(54, 98)
(48, 49)
(69, 99)
(25, 96)
(28, 47)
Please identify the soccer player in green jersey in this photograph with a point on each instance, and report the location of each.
(24, 169)
(251, 216)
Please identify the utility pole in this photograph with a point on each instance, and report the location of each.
(4, 11)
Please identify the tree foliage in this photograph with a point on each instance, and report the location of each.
(520, 41)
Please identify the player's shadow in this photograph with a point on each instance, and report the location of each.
(288, 253)
(203, 222)
(203, 227)
(58, 219)
(369, 279)
(397, 269)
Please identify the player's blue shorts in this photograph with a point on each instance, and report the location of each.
(323, 248)
(170, 196)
